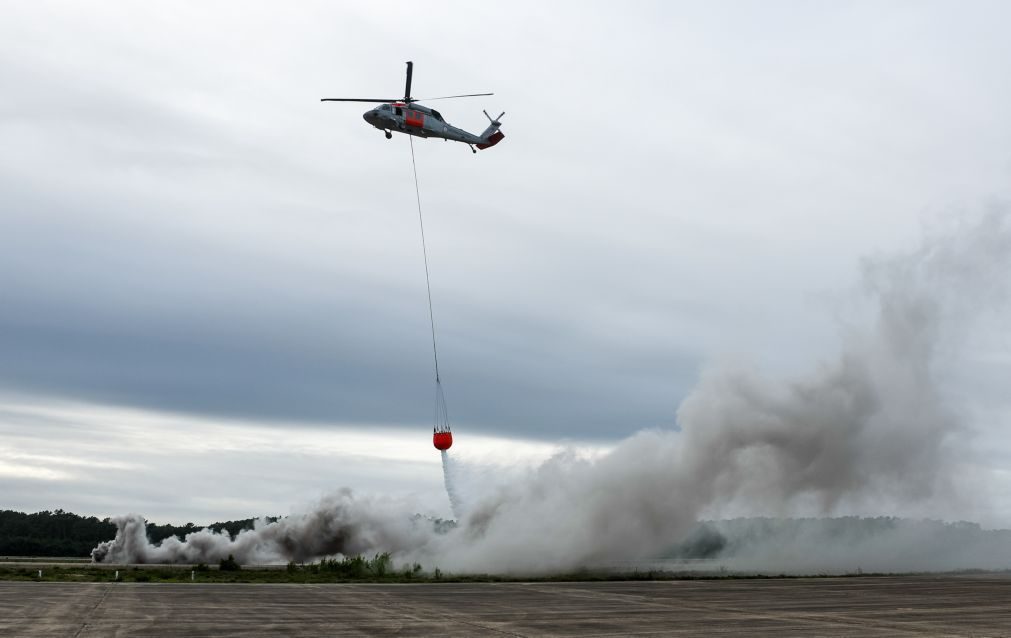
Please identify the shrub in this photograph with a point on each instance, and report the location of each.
(348, 567)
(412, 571)
(380, 564)
(229, 564)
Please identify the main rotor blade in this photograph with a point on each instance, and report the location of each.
(356, 99)
(407, 87)
(447, 97)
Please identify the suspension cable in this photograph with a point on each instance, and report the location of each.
(441, 413)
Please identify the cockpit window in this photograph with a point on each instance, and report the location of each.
(384, 107)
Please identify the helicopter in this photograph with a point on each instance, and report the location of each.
(405, 115)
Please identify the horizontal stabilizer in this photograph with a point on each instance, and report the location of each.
(493, 139)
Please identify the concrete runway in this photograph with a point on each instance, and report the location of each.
(900, 606)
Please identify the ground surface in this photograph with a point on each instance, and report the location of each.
(892, 606)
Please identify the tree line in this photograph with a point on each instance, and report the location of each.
(60, 533)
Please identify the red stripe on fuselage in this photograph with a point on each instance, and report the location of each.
(414, 118)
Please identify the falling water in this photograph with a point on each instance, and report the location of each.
(447, 474)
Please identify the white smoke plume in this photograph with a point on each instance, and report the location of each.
(340, 524)
(869, 430)
(833, 545)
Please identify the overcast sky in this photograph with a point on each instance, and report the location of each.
(203, 267)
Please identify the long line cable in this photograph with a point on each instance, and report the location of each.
(441, 413)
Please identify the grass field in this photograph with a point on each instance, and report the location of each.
(308, 574)
(351, 569)
(315, 574)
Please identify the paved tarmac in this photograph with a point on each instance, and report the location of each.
(867, 606)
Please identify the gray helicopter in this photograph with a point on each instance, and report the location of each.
(404, 115)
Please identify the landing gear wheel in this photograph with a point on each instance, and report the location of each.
(472, 149)
(389, 135)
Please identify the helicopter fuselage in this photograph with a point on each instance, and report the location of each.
(420, 121)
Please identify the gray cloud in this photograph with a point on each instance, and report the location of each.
(159, 322)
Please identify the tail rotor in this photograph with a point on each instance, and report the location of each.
(492, 135)
(494, 122)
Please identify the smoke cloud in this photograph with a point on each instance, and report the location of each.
(833, 545)
(870, 430)
(340, 524)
